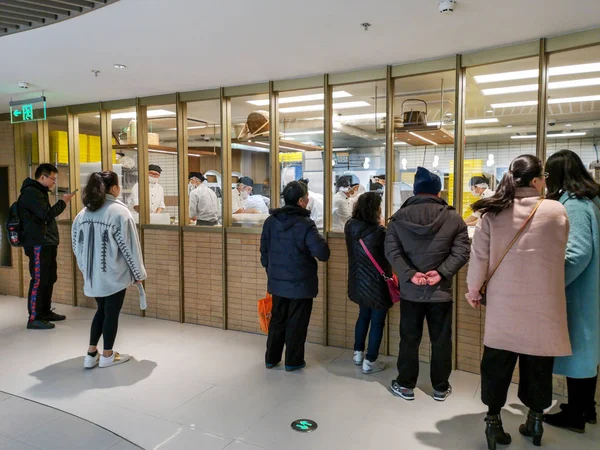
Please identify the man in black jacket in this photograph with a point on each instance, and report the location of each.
(40, 242)
(427, 243)
(289, 245)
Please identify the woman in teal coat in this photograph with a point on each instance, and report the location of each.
(570, 183)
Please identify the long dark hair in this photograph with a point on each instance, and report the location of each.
(98, 185)
(566, 173)
(367, 208)
(521, 172)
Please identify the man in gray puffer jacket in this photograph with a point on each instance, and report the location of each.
(427, 243)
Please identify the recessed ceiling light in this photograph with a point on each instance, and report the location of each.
(119, 66)
(552, 101)
(508, 126)
(533, 73)
(300, 98)
(568, 125)
(321, 107)
(448, 114)
(553, 135)
(490, 111)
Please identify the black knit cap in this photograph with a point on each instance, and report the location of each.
(426, 182)
(154, 168)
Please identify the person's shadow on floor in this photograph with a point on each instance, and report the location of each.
(69, 378)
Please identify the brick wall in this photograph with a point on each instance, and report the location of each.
(9, 276)
(161, 257)
(63, 289)
(203, 278)
(246, 281)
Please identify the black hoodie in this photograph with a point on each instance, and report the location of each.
(424, 235)
(289, 244)
(366, 286)
(38, 218)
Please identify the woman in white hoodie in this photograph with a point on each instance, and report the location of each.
(109, 255)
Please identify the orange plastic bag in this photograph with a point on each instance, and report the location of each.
(265, 306)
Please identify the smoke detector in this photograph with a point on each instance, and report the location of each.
(447, 6)
(23, 84)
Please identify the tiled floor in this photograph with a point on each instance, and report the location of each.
(191, 387)
(26, 425)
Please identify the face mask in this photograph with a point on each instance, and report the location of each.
(191, 187)
(153, 180)
(245, 195)
(474, 193)
(353, 193)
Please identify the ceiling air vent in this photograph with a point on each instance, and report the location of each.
(23, 15)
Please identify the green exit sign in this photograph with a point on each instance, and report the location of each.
(28, 110)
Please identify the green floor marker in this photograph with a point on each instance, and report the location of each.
(304, 425)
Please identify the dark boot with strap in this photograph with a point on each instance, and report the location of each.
(533, 427)
(494, 432)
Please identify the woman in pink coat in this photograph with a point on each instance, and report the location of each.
(526, 317)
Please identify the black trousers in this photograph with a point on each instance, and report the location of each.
(582, 392)
(43, 271)
(439, 322)
(106, 320)
(289, 326)
(535, 379)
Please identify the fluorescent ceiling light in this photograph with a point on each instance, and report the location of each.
(552, 101)
(526, 74)
(553, 135)
(422, 138)
(300, 98)
(358, 117)
(534, 87)
(132, 114)
(468, 122)
(249, 148)
(321, 107)
(303, 133)
(400, 143)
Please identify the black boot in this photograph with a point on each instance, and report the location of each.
(494, 432)
(567, 418)
(589, 416)
(533, 427)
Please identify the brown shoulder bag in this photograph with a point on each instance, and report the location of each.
(483, 290)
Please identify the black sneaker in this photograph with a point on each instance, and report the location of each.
(39, 325)
(441, 396)
(52, 317)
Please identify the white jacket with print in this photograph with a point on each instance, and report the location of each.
(107, 249)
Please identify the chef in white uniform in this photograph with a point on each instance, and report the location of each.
(343, 203)
(157, 193)
(315, 205)
(242, 200)
(480, 187)
(204, 204)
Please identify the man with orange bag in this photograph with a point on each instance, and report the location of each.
(289, 247)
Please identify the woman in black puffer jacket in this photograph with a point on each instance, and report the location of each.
(365, 285)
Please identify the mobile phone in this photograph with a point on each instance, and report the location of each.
(72, 193)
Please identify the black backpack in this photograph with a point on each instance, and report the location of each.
(14, 227)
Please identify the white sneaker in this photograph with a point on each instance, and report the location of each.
(91, 361)
(113, 360)
(372, 367)
(358, 357)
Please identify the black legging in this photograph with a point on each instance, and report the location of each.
(106, 320)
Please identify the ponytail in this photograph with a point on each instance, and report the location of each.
(98, 185)
(522, 171)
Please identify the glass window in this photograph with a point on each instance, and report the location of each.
(163, 165)
(90, 148)
(250, 148)
(301, 137)
(423, 132)
(124, 143)
(205, 178)
(59, 156)
(501, 121)
(358, 145)
(574, 104)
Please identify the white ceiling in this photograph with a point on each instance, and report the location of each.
(182, 45)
